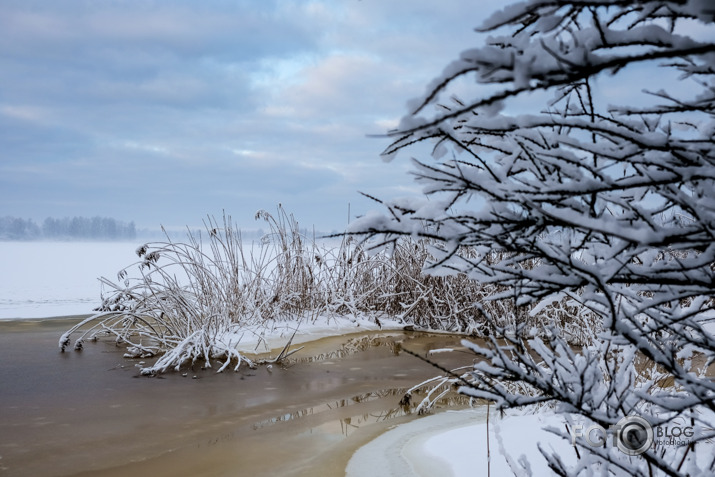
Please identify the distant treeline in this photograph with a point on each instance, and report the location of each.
(75, 228)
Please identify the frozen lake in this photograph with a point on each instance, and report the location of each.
(41, 279)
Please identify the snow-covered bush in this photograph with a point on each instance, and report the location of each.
(584, 156)
(194, 300)
(183, 301)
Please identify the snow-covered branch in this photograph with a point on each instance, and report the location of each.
(611, 207)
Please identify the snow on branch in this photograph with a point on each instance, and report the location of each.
(609, 207)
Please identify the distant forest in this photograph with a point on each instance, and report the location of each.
(75, 228)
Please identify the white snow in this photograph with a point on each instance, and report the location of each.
(273, 335)
(454, 443)
(41, 279)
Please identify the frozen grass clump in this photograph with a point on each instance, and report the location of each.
(195, 300)
(186, 301)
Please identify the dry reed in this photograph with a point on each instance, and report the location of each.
(191, 301)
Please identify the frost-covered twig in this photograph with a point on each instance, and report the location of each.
(597, 218)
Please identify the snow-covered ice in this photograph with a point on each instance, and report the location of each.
(41, 279)
(454, 443)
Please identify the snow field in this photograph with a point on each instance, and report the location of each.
(41, 279)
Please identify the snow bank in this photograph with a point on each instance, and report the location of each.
(400, 451)
(454, 443)
(272, 335)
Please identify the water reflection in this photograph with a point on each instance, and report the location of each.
(335, 348)
(395, 406)
(349, 347)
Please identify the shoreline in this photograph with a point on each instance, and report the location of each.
(401, 450)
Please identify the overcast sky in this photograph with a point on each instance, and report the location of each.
(164, 111)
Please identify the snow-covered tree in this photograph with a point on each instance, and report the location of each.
(583, 157)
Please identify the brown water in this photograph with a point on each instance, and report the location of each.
(90, 413)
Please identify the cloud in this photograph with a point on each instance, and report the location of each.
(25, 112)
(332, 86)
(165, 111)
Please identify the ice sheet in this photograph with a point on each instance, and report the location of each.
(41, 279)
(454, 443)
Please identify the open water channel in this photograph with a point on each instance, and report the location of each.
(90, 413)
